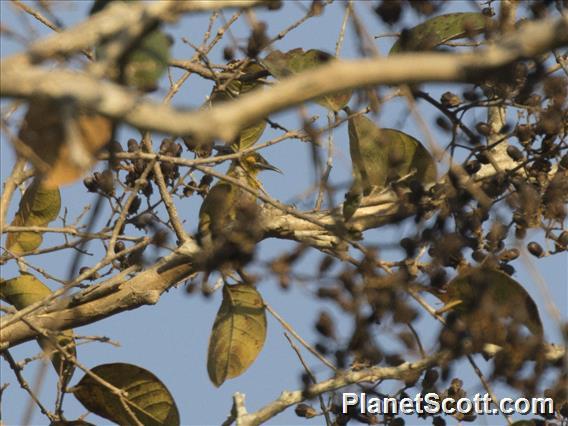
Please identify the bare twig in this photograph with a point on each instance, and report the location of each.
(324, 409)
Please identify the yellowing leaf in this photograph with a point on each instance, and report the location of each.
(438, 30)
(38, 207)
(53, 138)
(487, 293)
(148, 398)
(282, 65)
(25, 290)
(249, 135)
(381, 156)
(22, 242)
(238, 333)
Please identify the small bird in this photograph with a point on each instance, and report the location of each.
(227, 215)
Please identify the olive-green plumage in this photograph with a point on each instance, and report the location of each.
(219, 212)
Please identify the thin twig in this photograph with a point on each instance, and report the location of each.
(299, 338)
(324, 409)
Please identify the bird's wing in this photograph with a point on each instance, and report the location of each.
(215, 212)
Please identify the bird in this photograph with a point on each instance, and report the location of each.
(227, 216)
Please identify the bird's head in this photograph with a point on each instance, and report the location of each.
(254, 163)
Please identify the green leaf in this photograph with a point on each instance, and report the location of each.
(99, 5)
(409, 155)
(249, 135)
(38, 207)
(144, 66)
(484, 290)
(238, 333)
(147, 397)
(282, 65)
(438, 30)
(369, 154)
(381, 156)
(25, 290)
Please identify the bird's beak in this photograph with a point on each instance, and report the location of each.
(268, 166)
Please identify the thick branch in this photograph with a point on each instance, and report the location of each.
(225, 121)
(115, 18)
(143, 289)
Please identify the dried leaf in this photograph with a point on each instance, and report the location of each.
(65, 144)
(25, 290)
(238, 333)
(148, 398)
(488, 290)
(282, 65)
(38, 207)
(438, 30)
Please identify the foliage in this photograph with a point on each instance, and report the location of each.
(461, 195)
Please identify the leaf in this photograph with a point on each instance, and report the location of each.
(22, 242)
(438, 30)
(26, 290)
(484, 291)
(381, 156)
(38, 207)
(282, 65)
(238, 333)
(148, 398)
(77, 422)
(147, 61)
(23, 291)
(53, 134)
(249, 135)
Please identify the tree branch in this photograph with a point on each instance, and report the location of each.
(225, 121)
(115, 18)
(342, 380)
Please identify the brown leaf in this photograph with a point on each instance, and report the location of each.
(147, 397)
(485, 293)
(65, 143)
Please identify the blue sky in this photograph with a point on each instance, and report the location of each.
(170, 339)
